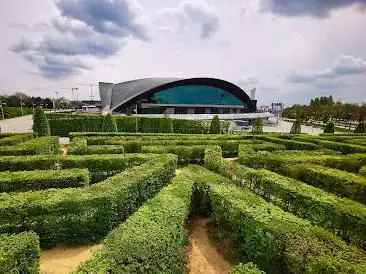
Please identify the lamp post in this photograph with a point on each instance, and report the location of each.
(33, 104)
(135, 111)
(21, 106)
(2, 110)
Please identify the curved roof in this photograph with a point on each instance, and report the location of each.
(124, 92)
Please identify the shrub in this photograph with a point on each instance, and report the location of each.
(363, 170)
(84, 215)
(166, 125)
(290, 144)
(40, 123)
(248, 268)
(277, 241)
(42, 179)
(215, 126)
(15, 139)
(152, 239)
(361, 128)
(109, 124)
(296, 127)
(42, 145)
(88, 150)
(257, 126)
(329, 128)
(19, 253)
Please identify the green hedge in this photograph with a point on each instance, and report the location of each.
(19, 253)
(63, 124)
(342, 147)
(336, 181)
(84, 215)
(186, 154)
(289, 144)
(42, 179)
(363, 170)
(152, 239)
(15, 139)
(248, 268)
(277, 241)
(343, 217)
(41, 145)
(79, 146)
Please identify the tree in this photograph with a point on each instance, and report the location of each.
(166, 125)
(329, 128)
(109, 124)
(40, 123)
(215, 127)
(257, 126)
(360, 128)
(296, 127)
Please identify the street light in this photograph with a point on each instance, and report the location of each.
(135, 111)
(33, 107)
(2, 110)
(21, 106)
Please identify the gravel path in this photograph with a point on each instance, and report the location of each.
(18, 124)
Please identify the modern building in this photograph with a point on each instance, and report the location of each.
(175, 96)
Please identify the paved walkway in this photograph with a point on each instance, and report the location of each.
(18, 124)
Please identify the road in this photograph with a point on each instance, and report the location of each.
(18, 124)
(285, 127)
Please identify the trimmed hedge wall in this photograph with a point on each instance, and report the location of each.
(79, 146)
(186, 154)
(84, 215)
(63, 124)
(343, 217)
(289, 144)
(15, 139)
(277, 241)
(363, 170)
(22, 181)
(41, 145)
(152, 239)
(19, 253)
(336, 181)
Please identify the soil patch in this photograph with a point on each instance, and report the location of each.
(204, 256)
(62, 260)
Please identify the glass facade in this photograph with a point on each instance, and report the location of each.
(196, 94)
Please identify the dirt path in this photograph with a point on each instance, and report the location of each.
(62, 260)
(204, 257)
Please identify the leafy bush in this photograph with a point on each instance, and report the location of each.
(361, 127)
(42, 179)
(248, 268)
(19, 253)
(336, 181)
(112, 149)
(329, 128)
(84, 215)
(276, 240)
(290, 144)
(257, 126)
(296, 127)
(166, 125)
(15, 139)
(40, 123)
(215, 126)
(363, 170)
(152, 239)
(42, 145)
(109, 124)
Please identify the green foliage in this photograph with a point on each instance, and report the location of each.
(42, 179)
(296, 127)
(15, 139)
(85, 215)
(361, 127)
(79, 146)
(19, 253)
(257, 126)
(363, 170)
(166, 125)
(329, 128)
(109, 124)
(225, 126)
(40, 123)
(215, 126)
(276, 240)
(289, 144)
(42, 145)
(248, 268)
(152, 239)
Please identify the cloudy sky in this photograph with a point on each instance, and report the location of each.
(290, 50)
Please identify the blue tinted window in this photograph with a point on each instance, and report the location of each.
(196, 94)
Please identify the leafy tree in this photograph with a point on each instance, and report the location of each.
(296, 127)
(40, 123)
(360, 127)
(257, 126)
(329, 128)
(166, 125)
(109, 124)
(215, 127)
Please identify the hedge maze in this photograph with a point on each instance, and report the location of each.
(292, 203)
